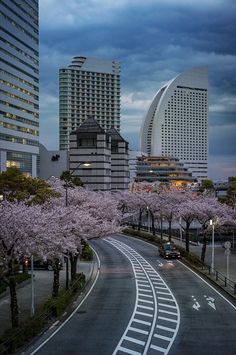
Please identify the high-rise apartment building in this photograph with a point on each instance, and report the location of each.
(19, 85)
(176, 124)
(88, 87)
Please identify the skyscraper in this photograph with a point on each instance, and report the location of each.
(88, 87)
(176, 124)
(19, 85)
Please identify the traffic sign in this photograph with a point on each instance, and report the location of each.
(227, 245)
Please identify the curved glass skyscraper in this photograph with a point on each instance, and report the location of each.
(176, 124)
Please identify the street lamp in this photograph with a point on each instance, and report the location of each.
(71, 173)
(212, 246)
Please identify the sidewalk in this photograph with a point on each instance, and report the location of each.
(42, 290)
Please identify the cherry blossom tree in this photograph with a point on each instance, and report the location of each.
(17, 221)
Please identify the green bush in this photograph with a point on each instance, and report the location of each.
(14, 338)
(87, 253)
(19, 278)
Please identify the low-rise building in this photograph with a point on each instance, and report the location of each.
(163, 169)
(106, 152)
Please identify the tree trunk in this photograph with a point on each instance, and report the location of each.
(161, 229)
(56, 278)
(203, 254)
(153, 224)
(73, 266)
(187, 236)
(140, 219)
(14, 305)
(169, 230)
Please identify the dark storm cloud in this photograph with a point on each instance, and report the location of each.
(155, 40)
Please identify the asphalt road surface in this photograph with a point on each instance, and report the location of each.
(143, 304)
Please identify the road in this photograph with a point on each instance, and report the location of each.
(142, 304)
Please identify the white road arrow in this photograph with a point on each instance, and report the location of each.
(160, 264)
(211, 304)
(196, 306)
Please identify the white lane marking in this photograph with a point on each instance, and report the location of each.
(143, 295)
(141, 321)
(128, 351)
(75, 310)
(133, 340)
(144, 314)
(163, 293)
(210, 302)
(127, 251)
(166, 299)
(167, 312)
(162, 337)
(167, 305)
(165, 328)
(158, 348)
(145, 301)
(160, 287)
(144, 290)
(209, 298)
(196, 306)
(138, 330)
(231, 304)
(168, 319)
(145, 307)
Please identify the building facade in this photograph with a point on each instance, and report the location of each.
(176, 123)
(19, 85)
(88, 86)
(162, 169)
(105, 152)
(120, 177)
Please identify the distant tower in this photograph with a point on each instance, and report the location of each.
(88, 86)
(19, 86)
(176, 124)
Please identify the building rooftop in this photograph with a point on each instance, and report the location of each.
(90, 126)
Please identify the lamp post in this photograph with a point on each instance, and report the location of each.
(66, 188)
(212, 246)
(32, 285)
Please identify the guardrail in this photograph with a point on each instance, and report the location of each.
(221, 278)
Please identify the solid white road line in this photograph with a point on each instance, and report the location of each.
(128, 351)
(159, 336)
(133, 340)
(145, 307)
(141, 321)
(144, 314)
(168, 312)
(158, 348)
(167, 305)
(165, 328)
(138, 330)
(168, 319)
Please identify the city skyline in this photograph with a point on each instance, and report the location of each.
(154, 41)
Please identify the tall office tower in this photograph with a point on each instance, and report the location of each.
(19, 82)
(88, 87)
(176, 124)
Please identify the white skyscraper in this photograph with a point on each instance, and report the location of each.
(88, 87)
(176, 124)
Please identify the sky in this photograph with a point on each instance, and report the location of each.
(154, 40)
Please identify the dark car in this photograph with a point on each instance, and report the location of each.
(169, 251)
(40, 264)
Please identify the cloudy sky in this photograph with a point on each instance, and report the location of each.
(154, 40)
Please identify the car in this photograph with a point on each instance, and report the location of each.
(169, 251)
(40, 264)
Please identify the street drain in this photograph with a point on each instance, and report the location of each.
(81, 312)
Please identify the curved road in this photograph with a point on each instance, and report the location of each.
(142, 304)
